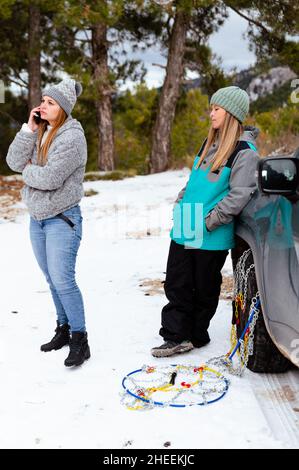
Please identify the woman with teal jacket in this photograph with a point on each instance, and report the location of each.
(221, 183)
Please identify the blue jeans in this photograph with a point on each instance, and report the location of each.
(55, 245)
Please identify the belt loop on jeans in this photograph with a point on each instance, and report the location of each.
(66, 219)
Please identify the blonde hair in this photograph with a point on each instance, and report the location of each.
(42, 155)
(228, 137)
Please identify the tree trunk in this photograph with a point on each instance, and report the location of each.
(103, 102)
(160, 152)
(34, 74)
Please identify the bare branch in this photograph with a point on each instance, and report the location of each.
(250, 20)
(159, 65)
(192, 66)
(22, 85)
(10, 117)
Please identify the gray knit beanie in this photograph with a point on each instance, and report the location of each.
(65, 93)
(234, 100)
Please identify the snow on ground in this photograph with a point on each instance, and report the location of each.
(46, 405)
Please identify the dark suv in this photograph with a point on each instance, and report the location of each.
(268, 231)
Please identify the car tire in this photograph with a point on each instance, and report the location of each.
(266, 357)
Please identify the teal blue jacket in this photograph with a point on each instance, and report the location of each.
(204, 213)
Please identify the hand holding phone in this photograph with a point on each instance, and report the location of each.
(37, 117)
(34, 118)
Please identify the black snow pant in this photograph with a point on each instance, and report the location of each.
(192, 287)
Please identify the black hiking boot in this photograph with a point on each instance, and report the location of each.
(60, 339)
(79, 349)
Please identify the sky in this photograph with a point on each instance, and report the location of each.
(227, 43)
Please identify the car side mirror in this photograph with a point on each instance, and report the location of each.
(279, 175)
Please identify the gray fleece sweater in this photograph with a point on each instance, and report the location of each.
(58, 185)
(242, 182)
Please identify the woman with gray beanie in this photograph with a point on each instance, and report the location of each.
(51, 153)
(221, 183)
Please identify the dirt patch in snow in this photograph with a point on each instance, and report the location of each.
(285, 393)
(154, 232)
(152, 286)
(227, 288)
(10, 195)
(156, 287)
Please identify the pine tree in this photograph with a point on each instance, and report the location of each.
(25, 34)
(192, 23)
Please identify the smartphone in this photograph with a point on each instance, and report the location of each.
(37, 117)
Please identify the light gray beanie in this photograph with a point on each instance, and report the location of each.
(65, 93)
(234, 100)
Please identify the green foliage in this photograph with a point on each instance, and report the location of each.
(134, 114)
(14, 51)
(6, 8)
(274, 30)
(90, 192)
(290, 52)
(280, 120)
(12, 114)
(109, 175)
(136, 108)
(131, 151)
(133, 120)
(190, 126)
(84, 111)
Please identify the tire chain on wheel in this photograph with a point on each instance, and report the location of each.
(266, 357)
